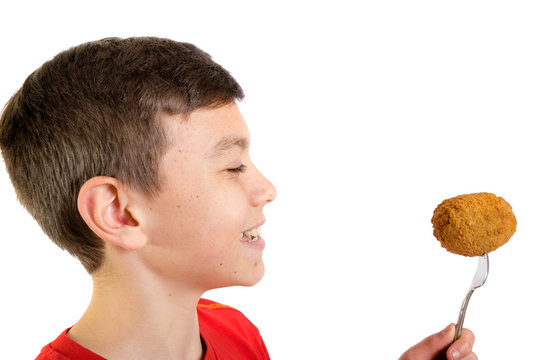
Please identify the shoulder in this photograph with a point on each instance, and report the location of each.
(226, 331)
(49, 354)
(64, 348)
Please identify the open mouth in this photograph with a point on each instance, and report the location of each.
(251, 235)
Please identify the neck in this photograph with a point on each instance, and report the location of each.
(131, 316)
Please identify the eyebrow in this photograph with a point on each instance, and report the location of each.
(227, 143)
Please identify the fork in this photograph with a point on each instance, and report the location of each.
(478, 280)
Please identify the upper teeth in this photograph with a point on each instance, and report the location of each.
(252, 234)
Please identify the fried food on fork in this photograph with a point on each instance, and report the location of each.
(473, 224)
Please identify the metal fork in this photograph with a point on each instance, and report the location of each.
(478, 280)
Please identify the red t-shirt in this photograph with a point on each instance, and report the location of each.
(227, 334)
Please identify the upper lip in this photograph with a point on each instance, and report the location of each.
(256, 226)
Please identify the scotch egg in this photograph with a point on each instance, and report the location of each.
(473, 224)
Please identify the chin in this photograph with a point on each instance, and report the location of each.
(253, 277)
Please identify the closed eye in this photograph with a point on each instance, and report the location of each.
(239, 169)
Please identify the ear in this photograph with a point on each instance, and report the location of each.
(104, 205)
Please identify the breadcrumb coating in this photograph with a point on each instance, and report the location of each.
(473, 224)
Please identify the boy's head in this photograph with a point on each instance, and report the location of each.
(97, 110)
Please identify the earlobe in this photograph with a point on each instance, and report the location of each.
(104, 206)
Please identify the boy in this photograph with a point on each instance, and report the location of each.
(132, 155)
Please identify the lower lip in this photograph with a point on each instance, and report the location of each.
(257, 244)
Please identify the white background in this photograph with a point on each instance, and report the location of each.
(365, 117)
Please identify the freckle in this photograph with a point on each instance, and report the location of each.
(221, 264)
(178, 206)
(169, 294)
(236, 272)
(150, 208)
(197, 196)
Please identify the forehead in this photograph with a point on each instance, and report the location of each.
(208, 130)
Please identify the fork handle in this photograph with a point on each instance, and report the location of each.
(459, 325)
(462, 311)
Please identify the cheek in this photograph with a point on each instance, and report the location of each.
(200, 224)
(210, 218)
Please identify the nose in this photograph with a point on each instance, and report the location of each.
(263, 192)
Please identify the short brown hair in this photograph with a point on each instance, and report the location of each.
(93, 110)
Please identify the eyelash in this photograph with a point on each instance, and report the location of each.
(239, 169)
